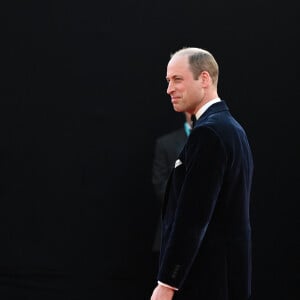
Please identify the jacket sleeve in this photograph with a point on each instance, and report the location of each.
(201, 180)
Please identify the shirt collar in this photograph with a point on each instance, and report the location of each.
(206, 106)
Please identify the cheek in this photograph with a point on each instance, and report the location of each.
(185, 90)
(190, 91)
(196, 92)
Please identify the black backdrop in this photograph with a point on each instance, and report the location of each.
(82, 101)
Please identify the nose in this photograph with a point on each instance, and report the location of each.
(170, 88)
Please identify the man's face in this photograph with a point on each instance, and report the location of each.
(186, 92)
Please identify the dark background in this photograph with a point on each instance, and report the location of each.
(83, 97)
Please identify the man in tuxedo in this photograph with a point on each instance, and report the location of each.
(206, 234)
(166, 150)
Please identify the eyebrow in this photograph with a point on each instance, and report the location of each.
(173, 76)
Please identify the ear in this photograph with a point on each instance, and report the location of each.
(205, 78)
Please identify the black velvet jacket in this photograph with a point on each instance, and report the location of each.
(206, 234)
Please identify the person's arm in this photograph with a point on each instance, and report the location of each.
(204, 170)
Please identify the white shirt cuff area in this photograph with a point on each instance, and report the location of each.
(168, 286)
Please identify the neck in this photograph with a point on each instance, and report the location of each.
(205, 100)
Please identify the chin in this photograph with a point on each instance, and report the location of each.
(177, 109)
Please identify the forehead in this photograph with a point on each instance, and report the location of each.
(178, 65)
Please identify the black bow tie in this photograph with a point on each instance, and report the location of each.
(193, 119)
